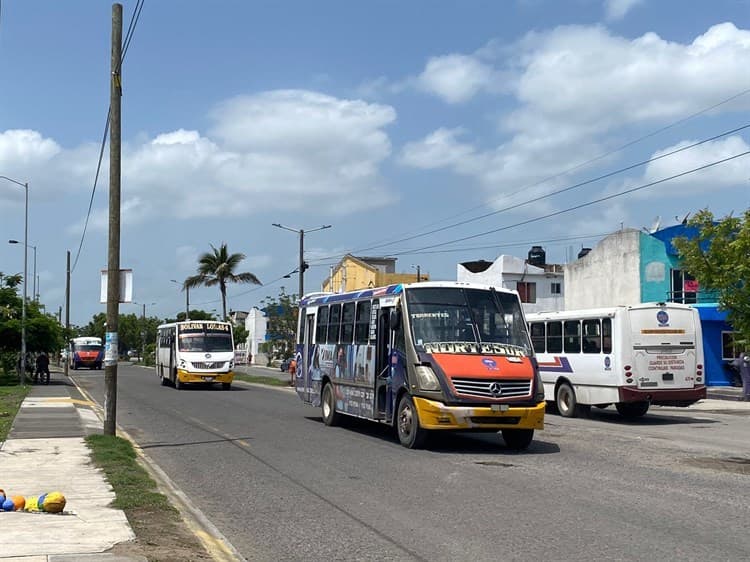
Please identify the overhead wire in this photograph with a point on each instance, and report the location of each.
(135, 16)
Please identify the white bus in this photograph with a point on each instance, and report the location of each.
(195, 351)
(629, 356)
(85, 351)
(423, 358)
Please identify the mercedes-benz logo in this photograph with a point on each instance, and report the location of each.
(496, 389)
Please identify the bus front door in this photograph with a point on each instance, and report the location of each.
(382, 363)
(307, 363)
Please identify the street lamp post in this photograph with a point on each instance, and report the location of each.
(187, 297)
(25, 273)
(302, 264)
(143, 328)
(34, 294)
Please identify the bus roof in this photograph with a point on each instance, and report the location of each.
(599, 312)
(324, 298)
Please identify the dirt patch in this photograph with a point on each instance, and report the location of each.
(161, 536)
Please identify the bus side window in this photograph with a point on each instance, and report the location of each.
(607, 335)
(592, 337)
(572, 336)
(554, 337)
(362, 325)
(321, 327)
(333, 323)
(537, 336)
(301, 321)
(347, 323)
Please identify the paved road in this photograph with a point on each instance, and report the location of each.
(282, 486)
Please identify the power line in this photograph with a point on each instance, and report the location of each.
(583, 164)
(563, 190)
(128, 38)
(576, 207)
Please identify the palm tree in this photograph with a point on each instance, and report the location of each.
(217, 268)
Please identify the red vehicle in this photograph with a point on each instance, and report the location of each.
(86, 352)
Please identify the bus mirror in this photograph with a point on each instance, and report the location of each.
(395, 319)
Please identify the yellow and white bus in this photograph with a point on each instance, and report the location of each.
(195, 351)
(629, 356)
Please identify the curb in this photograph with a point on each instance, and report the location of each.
(215, 543)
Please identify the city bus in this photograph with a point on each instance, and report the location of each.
(629, 356)
(85, 351)
(422, 358)
(195, 351)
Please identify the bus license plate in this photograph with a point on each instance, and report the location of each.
(209, 379)
(499, 407)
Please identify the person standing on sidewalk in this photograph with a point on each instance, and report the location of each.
(292, 371)
(742, 363)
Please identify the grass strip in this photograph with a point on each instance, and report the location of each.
(11, 396)
(134, 488)
(260, 379)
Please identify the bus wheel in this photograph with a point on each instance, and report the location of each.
(566, 401)
(410, 434)
(518, 439)
(177, 384)
(632, 410)
(328, 406)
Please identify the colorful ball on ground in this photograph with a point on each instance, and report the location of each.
(32, 504)
(8, 505)
(19, 502)
(54, 502)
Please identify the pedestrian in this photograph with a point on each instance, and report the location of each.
(42, 368)
(742, 363)
(292, 371)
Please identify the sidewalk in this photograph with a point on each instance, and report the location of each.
(45, 451)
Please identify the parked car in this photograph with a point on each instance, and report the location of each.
(285, 364)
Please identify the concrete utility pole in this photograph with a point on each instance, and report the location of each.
(67, 312)
(302, 264)
(113, 261)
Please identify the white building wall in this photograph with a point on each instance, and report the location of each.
(506, 271)
(609, 275)
(256, 324)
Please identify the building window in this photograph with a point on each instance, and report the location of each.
(555, 288)
(526, 291)
(684, 287)
(729, 350)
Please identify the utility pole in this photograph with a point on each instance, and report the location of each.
(113, 262)
(302, 264)
(67, 312)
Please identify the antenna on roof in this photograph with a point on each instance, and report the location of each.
(654, 225)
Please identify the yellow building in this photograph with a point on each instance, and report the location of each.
(353, 273)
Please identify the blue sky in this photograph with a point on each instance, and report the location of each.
(385, 119)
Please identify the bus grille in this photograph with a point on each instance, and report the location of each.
(208, 364)
(484, 387)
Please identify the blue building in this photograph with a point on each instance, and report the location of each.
(633, 266)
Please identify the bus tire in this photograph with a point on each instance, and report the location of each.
(410, 434)
(518, 439)
(177, 383)
(328, 406)
(565, 400)
(632, 410)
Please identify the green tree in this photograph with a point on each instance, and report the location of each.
(218, 268)
(240, 334)
(719, 258)
(281, 329)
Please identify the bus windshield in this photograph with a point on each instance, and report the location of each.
(458, 315)
(206, 342)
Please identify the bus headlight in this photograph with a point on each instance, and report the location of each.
(183, 365)
(426, 378)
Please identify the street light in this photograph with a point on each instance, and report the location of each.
(143, 330)
(302, 264)
(25, 273)
(187, 297)
(34, 294)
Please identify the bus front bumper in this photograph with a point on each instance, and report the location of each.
(436, 415)
(188, 376)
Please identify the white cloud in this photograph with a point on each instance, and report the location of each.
(577, 88)
(275, 150)
(456, 78)
(617, 9)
